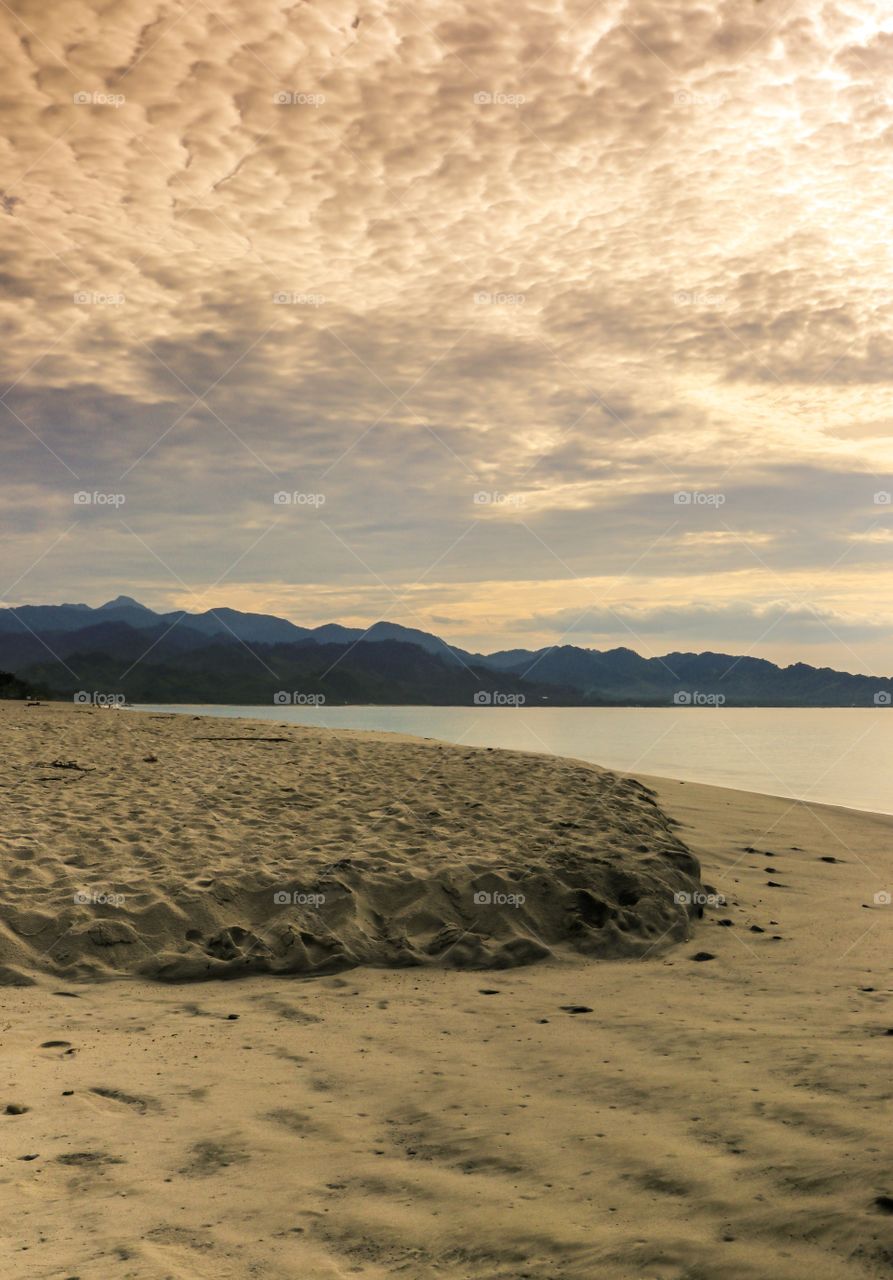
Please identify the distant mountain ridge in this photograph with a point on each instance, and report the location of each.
(75, 617)
(226, 655)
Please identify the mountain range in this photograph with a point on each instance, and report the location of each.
(126, 650)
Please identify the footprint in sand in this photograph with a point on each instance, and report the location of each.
(142, 1105)
(87, 1159)
(209, 1158)
(291, 1013)
(295, 1121)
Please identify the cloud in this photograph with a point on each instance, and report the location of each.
(585, 257)
(740, 623)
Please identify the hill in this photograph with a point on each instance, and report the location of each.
(227, 656)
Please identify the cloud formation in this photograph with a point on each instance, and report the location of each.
(576, 259)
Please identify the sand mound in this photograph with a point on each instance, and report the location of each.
(182, 848)
(718, 1121)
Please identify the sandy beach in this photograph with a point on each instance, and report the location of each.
(598, 1081)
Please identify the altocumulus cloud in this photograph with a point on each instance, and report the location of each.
(580, 258)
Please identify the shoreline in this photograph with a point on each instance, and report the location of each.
(644, 775)
(716, 1108)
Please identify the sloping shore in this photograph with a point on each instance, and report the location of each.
(656, 1118)
(179, 848)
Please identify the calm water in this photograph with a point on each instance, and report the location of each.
(834, 756)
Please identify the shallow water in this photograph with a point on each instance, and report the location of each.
(832, 755)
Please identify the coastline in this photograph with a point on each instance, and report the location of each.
(699, 1118)
(536, 745)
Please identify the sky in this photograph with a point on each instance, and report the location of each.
(526, 324)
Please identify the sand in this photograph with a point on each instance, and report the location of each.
(649, 1115)
(177, 847)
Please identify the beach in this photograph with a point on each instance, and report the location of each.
(604, 1079)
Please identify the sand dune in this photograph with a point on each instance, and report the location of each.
(646, 1118)
(181, 848)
